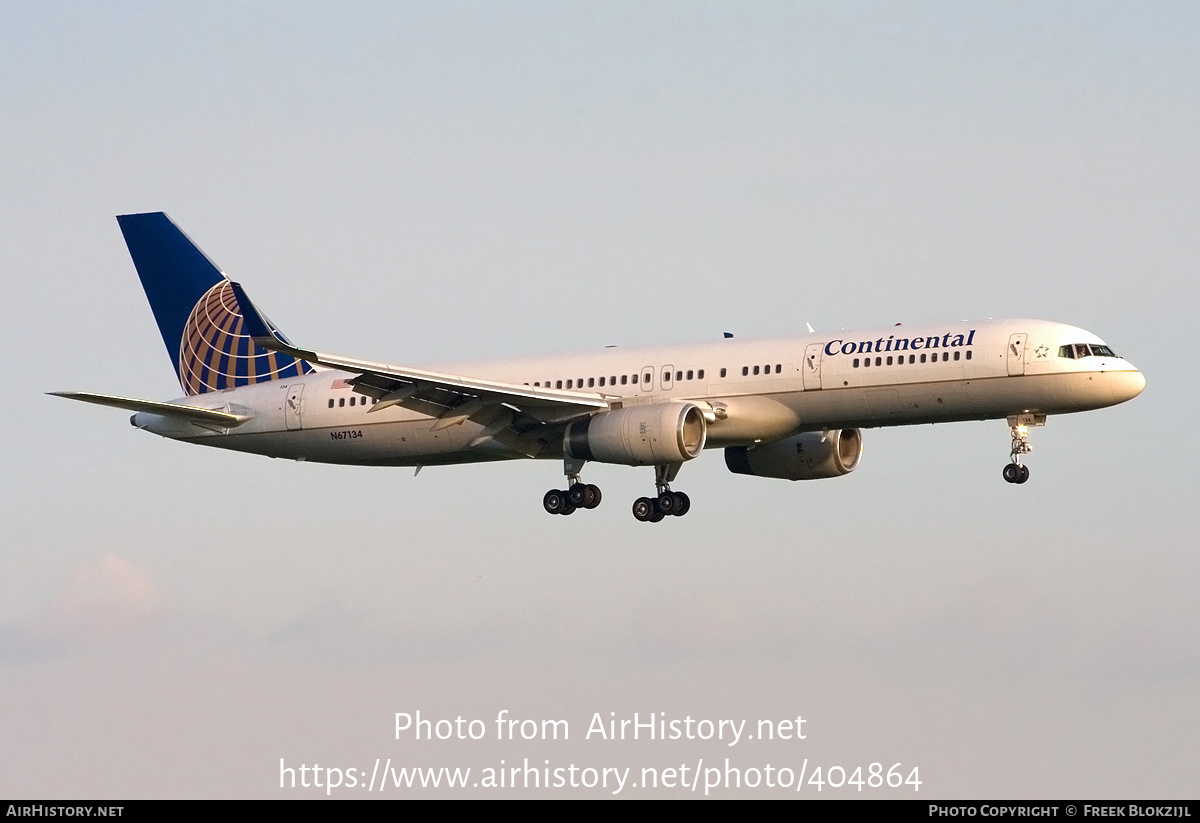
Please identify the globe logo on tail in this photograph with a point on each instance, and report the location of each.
(216, 353)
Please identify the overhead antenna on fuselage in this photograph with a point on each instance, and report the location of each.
(811, 330)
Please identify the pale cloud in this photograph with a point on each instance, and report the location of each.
(104, 601)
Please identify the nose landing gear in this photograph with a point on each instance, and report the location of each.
(1018, 425)
(1016, 473)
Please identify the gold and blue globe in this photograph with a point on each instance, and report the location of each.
(216, 353)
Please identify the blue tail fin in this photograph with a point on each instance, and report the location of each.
(197, 311)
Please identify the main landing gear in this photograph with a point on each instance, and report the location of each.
(580, 495)
(654, 509)
(1018, 425)
(566, 501)
(577, 495)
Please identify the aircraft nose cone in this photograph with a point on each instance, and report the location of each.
(1127, 385)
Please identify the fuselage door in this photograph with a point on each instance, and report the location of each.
(647, 378)
(668, 377)
(1016, 353)
(292, 407)
(812, 366)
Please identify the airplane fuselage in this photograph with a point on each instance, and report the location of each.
(752, 391)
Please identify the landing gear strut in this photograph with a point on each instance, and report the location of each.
(667, 502)
(577, 495)
(1018, 426)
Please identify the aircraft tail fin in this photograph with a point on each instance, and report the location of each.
(197, 311)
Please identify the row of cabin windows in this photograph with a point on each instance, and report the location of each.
(362, 401)
(912, 358)
(626, 379)
(765, 369)
(634, 379)
(689, 374)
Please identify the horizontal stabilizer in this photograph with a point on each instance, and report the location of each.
(191, 414)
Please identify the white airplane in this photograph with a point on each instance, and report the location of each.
(788, 408)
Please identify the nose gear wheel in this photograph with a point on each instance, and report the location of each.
(1018, 426)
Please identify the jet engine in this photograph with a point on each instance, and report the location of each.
(649, 435)
(805, 456)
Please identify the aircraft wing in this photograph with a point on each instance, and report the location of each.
(460, 396)
(192, 414)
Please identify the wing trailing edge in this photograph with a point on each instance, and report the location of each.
(393, 385)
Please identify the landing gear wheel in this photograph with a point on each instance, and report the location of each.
(555, 502)
(644, 509)
(577, 495)
(1024, 474)
(594, 496)
(658, 515)
(1012, 473)
(683, 503)
(667, 503)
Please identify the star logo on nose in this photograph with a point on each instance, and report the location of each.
(1042, 351)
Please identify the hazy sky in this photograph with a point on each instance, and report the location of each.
(417, 182)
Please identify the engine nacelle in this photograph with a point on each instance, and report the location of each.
(805, 456)
(648, 435)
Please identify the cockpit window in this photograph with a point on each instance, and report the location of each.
(1075, 351)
